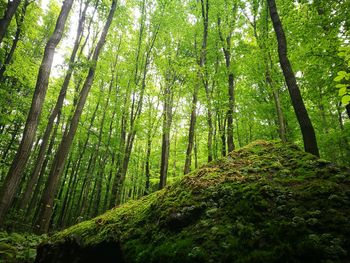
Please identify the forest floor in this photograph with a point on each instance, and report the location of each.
(267, 202)
(18, 247)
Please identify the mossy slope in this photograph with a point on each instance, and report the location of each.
(266, 202)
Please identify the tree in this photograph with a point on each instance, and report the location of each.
(307, 130)
(201, 63)
(13, 177)
(6, 19)
(63, 150)
(226, 42)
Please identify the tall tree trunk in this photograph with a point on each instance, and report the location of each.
(14, 175)
(63, 150)
(34, 176)
(120, 157)
(167, 120)
(6, 19)
(307, 130)
(226, 48)
(148, 157)
(136, 110)
(109, 180)
(191, 131)
(201, 63)
(56, 110)
(222, 133)
(40, 182)
(15, 40)
(276, 97)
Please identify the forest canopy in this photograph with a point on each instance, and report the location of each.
(103, 101)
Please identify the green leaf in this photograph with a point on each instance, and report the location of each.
(342, 91)
(345, 100)
(339, 86)
(338, 78)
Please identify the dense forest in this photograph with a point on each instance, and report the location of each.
(106, 101)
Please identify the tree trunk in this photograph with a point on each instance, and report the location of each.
(226, 48)
(39, 183)
(15, 40)
(307, 130)
(109, 180)
(13, 178)
(281, 122)
(6, 20)
(222, 126)
(136, 110)
(348, 110)
(62, 152)
(201, 63)
(148, 156)
(34, 176)
(56, 111)
(167, 120)
(191, 131)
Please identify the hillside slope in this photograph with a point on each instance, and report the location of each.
(266, 202)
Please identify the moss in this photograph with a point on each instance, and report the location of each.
(18, 247)
(267, 202)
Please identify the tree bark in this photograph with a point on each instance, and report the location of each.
(167, 120)
(307, 130)
(55, 112)
(201, 63)
(13, 178)
(63, 150)
(226, 48)
(15, 40)
(6, 19)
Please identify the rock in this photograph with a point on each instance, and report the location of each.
(225, 212)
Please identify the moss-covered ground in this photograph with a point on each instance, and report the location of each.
(18, 247)
(266, 202)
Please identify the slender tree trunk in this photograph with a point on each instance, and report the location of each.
(6, 19)
(195, 152)
(348, 110)
(209, 118)
(116, 179)
(222, 125)
(269, 81)
(191, 131)
(167, 120)
(281, 122)
(56, 111)
(201, 63)
(15, 41)
(39, 183)
(66, 197)
(226, 48)
(34, 176)
(148, 156)
(307, 130)
(136, 110)
(14, 175)
(109, 180)
(63, 150)
(14, 134)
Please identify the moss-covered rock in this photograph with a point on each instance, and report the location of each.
(266, 202)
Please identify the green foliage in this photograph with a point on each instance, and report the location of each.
(344, 77)
(18, 247)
